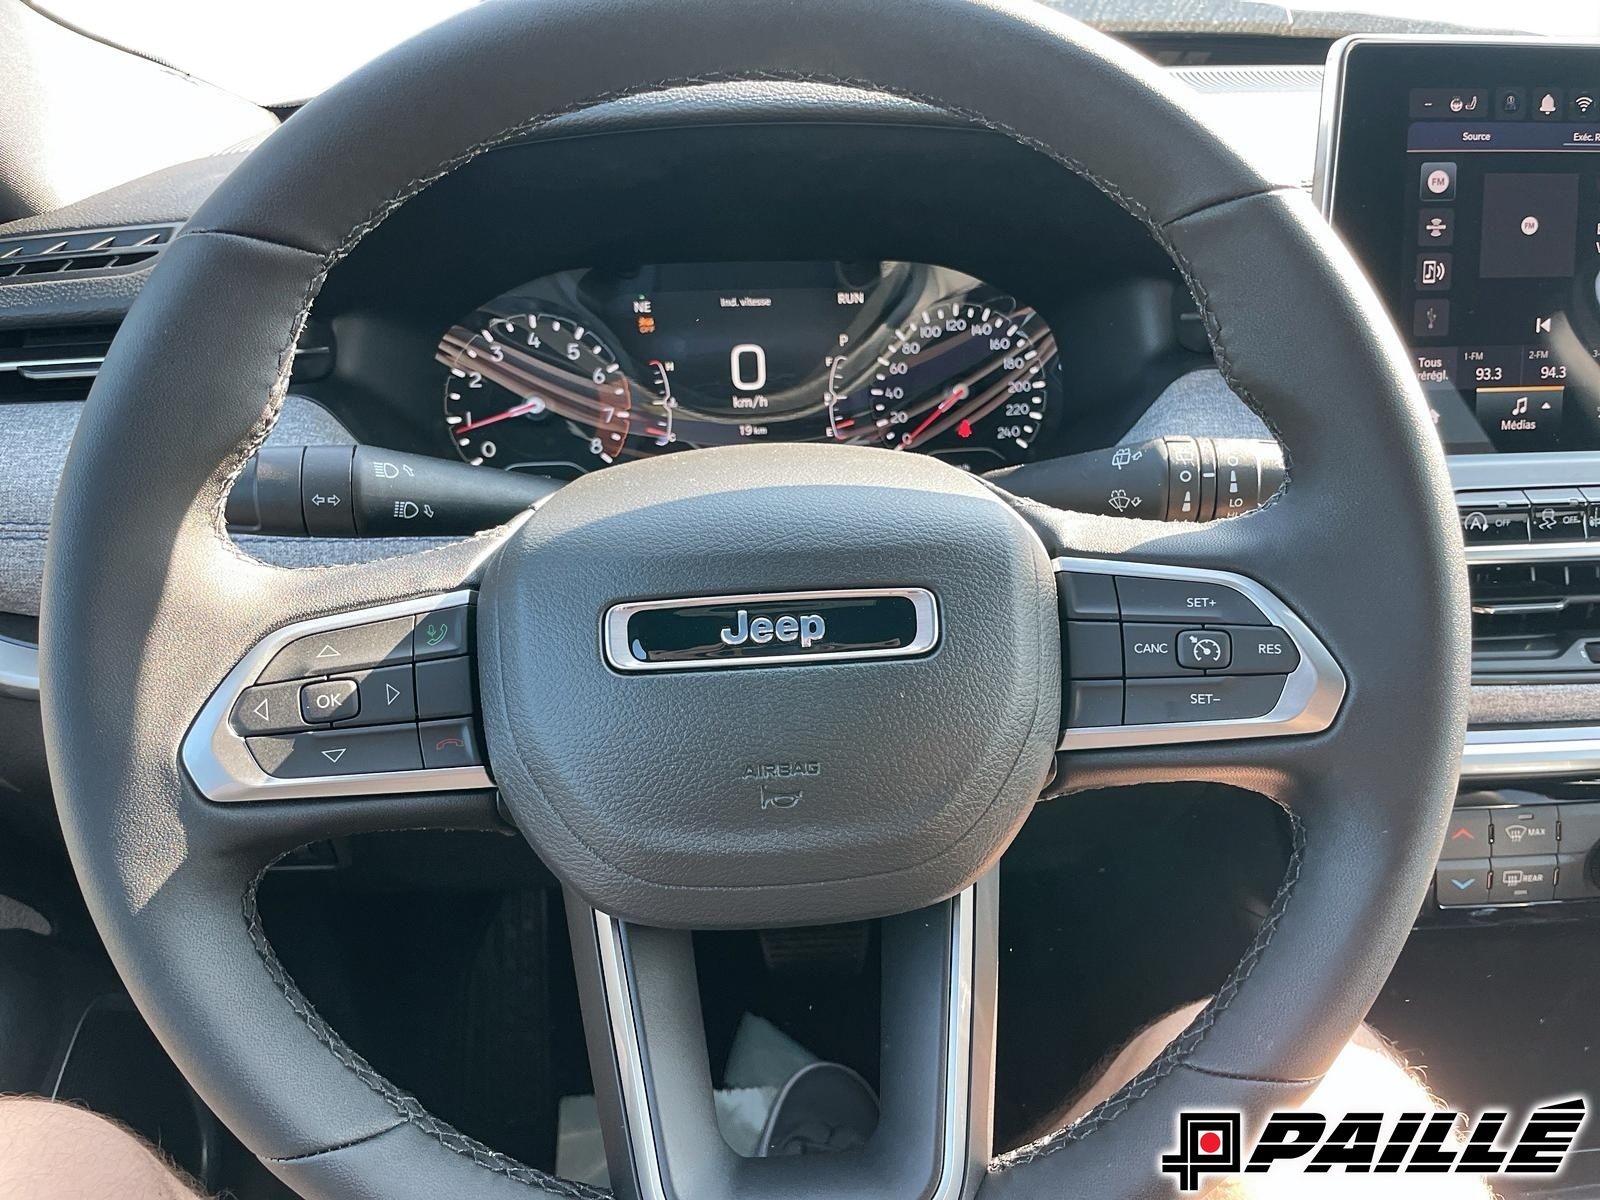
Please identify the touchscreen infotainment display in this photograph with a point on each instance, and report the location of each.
(1466, 176)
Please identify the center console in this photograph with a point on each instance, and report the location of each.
(1464, 173)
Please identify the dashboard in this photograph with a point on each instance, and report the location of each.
(585, 368)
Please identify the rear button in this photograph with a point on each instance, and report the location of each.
(338, 752)
(1214, 698)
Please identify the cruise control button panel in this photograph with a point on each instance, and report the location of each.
(364, 703)
(1203, 655)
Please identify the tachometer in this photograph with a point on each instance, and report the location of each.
(964, 380)
(535, 392)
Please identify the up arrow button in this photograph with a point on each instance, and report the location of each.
(1467, 835)
(342, 650)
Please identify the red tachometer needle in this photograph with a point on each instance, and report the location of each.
(956, 396)
(526, 406)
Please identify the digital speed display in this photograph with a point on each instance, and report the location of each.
(586, 368)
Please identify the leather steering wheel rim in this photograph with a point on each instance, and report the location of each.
(148, 604)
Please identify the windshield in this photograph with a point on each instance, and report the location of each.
(279, 52)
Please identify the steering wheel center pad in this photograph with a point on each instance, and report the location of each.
(806, 790)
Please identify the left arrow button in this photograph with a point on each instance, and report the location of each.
(273, 708)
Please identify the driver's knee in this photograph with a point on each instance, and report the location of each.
(51, 1151)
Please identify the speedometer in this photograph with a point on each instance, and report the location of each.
(963, 379)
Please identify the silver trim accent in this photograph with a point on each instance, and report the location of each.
(1522, 608)
(1531, 552)
(1531, 751)
(965, 987)
(223, 768)
(1311, 695)
(63, 366)
(19, 669)
(614, 628)
(1502, 472)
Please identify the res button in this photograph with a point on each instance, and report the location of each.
(1259, 650)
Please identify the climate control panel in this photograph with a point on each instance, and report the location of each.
(1514, 848)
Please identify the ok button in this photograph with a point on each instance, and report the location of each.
(331, 700)
(1150, 650)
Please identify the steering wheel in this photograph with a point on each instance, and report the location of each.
(776, 788)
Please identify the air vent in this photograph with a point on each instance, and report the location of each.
(59, 362)
(56, 362)
(56, 254)
(1531, 619)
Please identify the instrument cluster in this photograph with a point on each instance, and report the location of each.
(585, 368)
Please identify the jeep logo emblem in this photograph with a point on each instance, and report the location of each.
(770, 629)
(806, 629)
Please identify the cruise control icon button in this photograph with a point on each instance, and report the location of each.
(1204, 649)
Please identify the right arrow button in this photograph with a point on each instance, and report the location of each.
(388, 694)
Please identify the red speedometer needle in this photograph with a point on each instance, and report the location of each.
(956, 396)
(527, 406)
